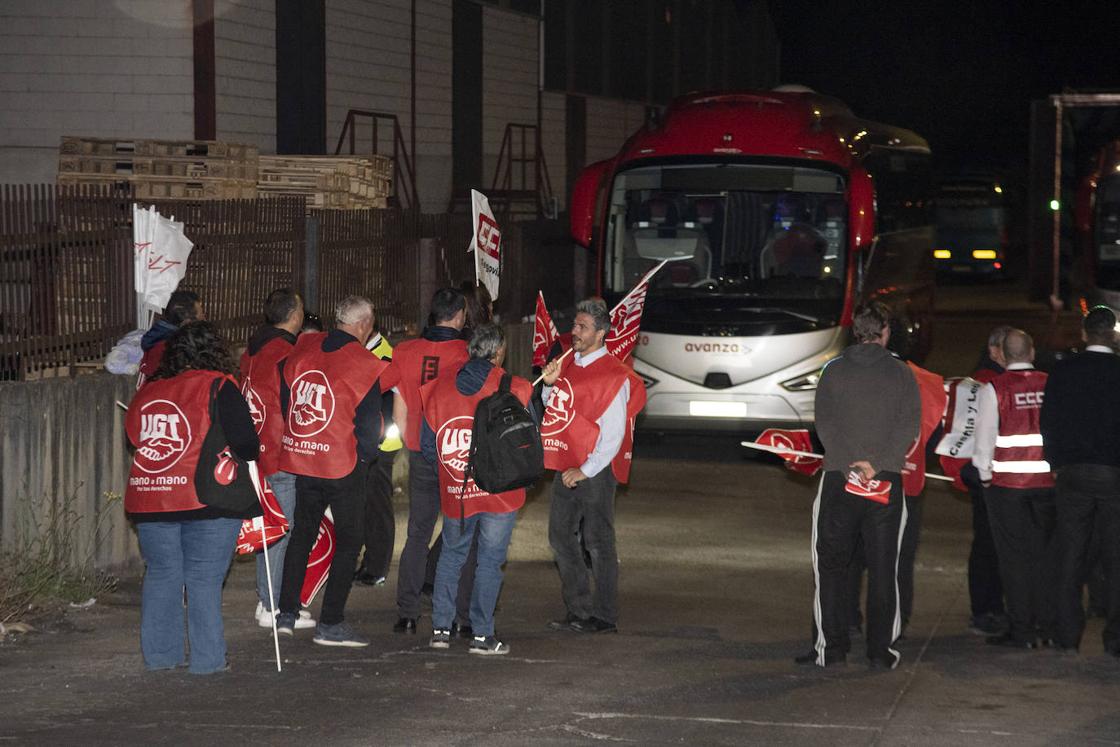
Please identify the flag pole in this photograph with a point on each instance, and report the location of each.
(255, 477)
(618, 305)
(794, 452)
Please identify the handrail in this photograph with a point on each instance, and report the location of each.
(405, 190)
(540, 186)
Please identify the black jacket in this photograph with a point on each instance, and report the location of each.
(1080, 416)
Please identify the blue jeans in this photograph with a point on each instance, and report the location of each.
(195, 555)
(494, 532)
(284, 486)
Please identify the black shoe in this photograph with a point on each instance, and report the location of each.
(989, 624)
(566, 622)
(462, 630)
(829, 659)
(594, 625)
(405, 625)
(365, 578)
(1009, 641)
(876, 664)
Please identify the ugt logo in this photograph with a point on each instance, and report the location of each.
(256, 406)
(454, 441)
(165, 435)
(560, 410)
(489, 238)
(312, 404)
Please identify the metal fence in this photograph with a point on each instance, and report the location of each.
(66, 268)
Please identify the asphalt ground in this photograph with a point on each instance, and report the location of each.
(716, 592)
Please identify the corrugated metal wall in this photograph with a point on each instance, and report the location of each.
(62, 453)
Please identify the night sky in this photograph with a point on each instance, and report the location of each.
(962, 74)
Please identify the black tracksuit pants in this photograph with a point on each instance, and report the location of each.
(346, 498)
(840, 520)
(985, 589)
(1023, 528)
(1088, 503)
(907, 557)
(380, 523)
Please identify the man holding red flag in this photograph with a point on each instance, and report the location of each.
(587, 431)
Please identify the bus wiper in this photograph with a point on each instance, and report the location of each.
(775, 309)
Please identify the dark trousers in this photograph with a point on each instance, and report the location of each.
(346, 499)
(840, 521)
(380, 524)
(423, 511)
(592, 503)
(1023, 528)
(1088, 503)
(907, 556)
(985, 589)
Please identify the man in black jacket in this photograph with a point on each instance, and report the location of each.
(1080, 423)
(868, 413)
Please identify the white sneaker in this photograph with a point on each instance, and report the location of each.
(264, 618)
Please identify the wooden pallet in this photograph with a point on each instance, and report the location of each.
(125, 166)
(169, 187)
(83, 146)
(328, 182)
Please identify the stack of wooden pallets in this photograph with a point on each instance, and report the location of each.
(162, 169)
(340, 182)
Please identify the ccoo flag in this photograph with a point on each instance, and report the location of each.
(544, 333)
(486, 243)
(626, 318)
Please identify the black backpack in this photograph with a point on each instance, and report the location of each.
(506, 451)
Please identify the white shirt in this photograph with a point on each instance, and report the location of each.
(1099, 349)
(612, 423)
(987, 425)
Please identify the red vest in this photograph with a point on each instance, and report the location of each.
(579, 398)
(150, 362)
(167, 422)
(931, 389)
(415, 363)
(1018, 461)
(260, 384)
(451, 416)
(325, 390)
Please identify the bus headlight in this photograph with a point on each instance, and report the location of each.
(942, 254)
(806, 383)
(984, 254)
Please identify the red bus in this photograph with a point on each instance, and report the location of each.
(1097, 216)
(792, 210)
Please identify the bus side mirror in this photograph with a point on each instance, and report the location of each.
(861, 222)
(581, 211)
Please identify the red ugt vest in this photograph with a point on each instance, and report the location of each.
(1018, 461)
(260, 384)
(325, 391)
(931, 390)
(167, 421)
(580, 396)
(451, 416)
(415, 363)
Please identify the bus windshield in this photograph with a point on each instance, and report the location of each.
(772, 233)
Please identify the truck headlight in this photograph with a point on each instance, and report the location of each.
(806, 383)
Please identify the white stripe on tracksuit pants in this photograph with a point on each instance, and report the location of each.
(845, 516)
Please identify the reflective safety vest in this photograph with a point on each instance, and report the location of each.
(580, 396)
(450, 415)
(931, 390)
(260, 385)
(379, 346)
(167, 422)
(1017, 461)
(325, 390)
(415, 363)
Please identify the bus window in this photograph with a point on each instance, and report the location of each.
(764, 231)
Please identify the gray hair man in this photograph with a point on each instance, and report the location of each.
(331, 399)
(587, 431)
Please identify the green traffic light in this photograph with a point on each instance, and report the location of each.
(1054, 205)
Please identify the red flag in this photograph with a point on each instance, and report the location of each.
(275, 524)
(319, 560)
(544, 333)
(626, 318)
(794, 440)
(873, 490)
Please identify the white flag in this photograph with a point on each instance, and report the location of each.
(962, 411)
(486, 243)
(160, 257)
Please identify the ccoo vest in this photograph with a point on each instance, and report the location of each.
(931, 390)
(260, 385)
(415, 363)
(451, 416)
(1018, 460)
(167, 421)
(325, 390)
(580, 396)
